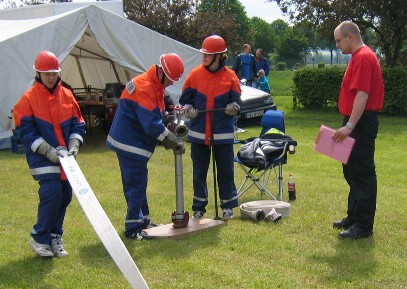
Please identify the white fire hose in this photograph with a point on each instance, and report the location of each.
(265, 210)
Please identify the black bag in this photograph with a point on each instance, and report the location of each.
(273, 149)
(251, 155)
(257, 152)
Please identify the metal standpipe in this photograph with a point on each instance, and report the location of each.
(180, 218)
(179, 185)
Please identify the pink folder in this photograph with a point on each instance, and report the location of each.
(338, 151)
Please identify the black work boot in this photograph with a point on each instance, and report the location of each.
(355, 232)
(345, 223)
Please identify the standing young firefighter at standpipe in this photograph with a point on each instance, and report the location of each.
(48, 119)
(213, 89)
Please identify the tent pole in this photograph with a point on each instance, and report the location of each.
(81, 72)
(115, 70)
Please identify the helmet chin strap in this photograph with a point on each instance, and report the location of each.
(212, 62)
(162, 76)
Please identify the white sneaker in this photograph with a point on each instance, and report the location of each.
(227, 214)
(57, 247)
(198, 214)
(139, 236)
(44, 250)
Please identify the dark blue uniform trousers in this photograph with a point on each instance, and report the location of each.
(224, 159)
(360, 172)
(134, 178)
(55, 196)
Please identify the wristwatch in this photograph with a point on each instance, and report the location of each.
(349, 126)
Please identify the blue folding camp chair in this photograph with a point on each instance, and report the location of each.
(260, 156)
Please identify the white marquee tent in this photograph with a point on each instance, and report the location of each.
(94, 46)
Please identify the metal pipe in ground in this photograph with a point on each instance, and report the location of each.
(180, 218)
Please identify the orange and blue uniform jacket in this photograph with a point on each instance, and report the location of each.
(206, 90)
(53, 117)
(137, 125)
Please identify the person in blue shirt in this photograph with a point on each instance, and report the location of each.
(262, 81)
(245, 66)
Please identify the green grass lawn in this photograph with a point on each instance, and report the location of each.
(281, 82)
(302, 251)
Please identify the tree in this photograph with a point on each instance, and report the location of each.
(171, 18)
(263, 35)
(309, 31)
(323, 42)
(191, 21)
(226, 18)
(293, 47)
(279, 27)
(388, 18)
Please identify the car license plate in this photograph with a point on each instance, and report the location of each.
(254, 114)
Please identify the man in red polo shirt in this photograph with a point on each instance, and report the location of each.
(360, 100)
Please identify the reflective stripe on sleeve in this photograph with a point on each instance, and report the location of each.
(130, 149)
(77, 136)
(36, 144)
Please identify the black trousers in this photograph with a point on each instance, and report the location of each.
(360, 172)
(201, 157)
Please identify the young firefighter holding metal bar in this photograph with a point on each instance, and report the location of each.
(211, 97)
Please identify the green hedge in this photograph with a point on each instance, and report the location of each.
(395, 87)
(316, 88)
(281, 66)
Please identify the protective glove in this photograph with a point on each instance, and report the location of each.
(167, 118)
(49, 152)
(171, 141)
(232, 109)
(73, 147)
(190, 112)
(180, 148)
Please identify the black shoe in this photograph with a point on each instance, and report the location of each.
(355, 232)
(151, 225)
(342, 224)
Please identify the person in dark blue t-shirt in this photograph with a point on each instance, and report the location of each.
(262, 62)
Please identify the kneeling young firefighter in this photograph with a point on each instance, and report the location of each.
(136, 129)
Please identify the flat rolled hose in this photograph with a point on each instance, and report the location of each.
(258, 210)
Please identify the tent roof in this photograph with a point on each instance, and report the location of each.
(106, 46)
(50, 9)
